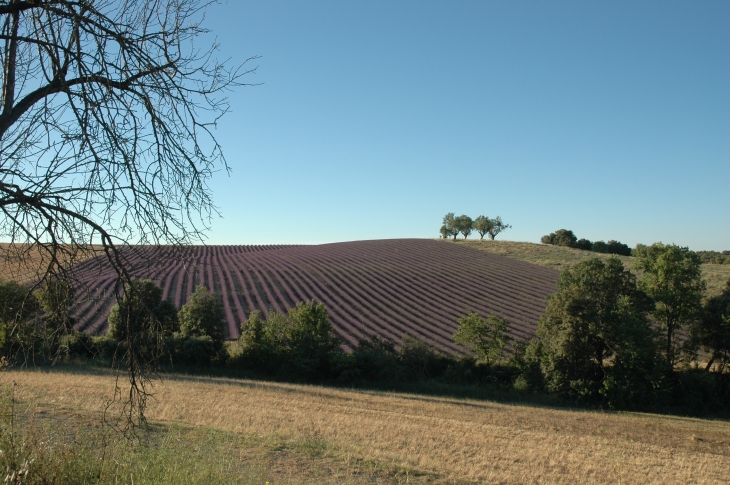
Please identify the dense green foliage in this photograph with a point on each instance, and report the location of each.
(673, 279)
(17, 307)
(711, 332)
(449, 228)
(565, 237)
(561, 237)
(142, 313)
(594, 343)
(464, 224)
(202, 316)
(486, 338)
(714, 257)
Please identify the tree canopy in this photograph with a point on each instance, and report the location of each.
(672, 277)
(594, 341)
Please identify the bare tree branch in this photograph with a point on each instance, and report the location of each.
(107, 139)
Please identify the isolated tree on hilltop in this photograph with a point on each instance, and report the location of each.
(106, 118)
(464, 225)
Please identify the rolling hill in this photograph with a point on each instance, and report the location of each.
(386, 288)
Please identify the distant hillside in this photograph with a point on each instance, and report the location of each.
(386, 288)
(560, 257)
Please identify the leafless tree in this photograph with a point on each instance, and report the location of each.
(107, 115)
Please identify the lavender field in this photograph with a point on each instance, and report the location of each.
(385, 287)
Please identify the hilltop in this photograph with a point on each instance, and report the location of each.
(561, 257)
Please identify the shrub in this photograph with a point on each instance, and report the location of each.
(202, 316)
(583, 244)
(561, 237)
(615, 247)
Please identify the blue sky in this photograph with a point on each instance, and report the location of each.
(376, 118)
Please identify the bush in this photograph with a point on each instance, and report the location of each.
(78, 345)
(583, 244)
(561, 237)
(600, 247)
(202, 316)
(615, 247)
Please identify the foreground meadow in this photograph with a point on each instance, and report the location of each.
(422, 438)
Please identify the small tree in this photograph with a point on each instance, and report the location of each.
(464, 225)
(497, 227)
(56, 298)
(202, 316)
(450, 227)
(310, 331)
(486, 338)
(482, 225)
(17, 306)
(672, 277)
(141, 315)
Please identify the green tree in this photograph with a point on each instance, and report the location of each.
(672, 277)
(17, 306)
(310, 331)
(202, 316)
(56, 298)
(584, 244)
(464, 225)
(594, 342)
(497, 227)
(482, 225)
(561, 237)
(141, 315)
(450, 227)
(486, 338)
(712, 330)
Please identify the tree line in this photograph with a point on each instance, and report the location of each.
(566, 237)
(454, 225)
(607, 338)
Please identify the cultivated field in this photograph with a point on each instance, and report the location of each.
(386, 288)
(353, 434)
(559, 257)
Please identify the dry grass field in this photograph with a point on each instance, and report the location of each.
(559, 257)
(25, 263)
(427, 439)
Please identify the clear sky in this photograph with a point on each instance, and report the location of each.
(376, 118)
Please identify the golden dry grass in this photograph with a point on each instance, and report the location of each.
(559, 257)
(454, 439)
(25, 263)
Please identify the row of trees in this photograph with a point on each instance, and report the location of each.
(142, 325)
(609, 339)
(454, 225)
(566, 237)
